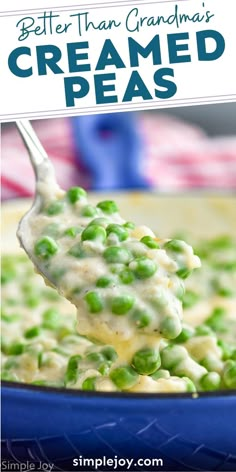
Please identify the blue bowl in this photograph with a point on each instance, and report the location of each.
(57, 426)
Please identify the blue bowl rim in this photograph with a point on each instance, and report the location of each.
(116, 395)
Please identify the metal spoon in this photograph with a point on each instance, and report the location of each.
(45, 178)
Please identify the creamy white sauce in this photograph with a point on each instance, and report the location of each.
(46, 356)
(157, 294)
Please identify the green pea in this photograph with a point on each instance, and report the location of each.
(71, 374)
(32, 301)
(104, 281)
(19, 258)
(210, 381)
(64, 334)
(108, 206)
(109, 353)
(229, 374)
(116, 268)
(210, 363)
(32, 332)
(27, 288)
(179, 290)
(104, 368)
(11, 301)
(7, 275)
(73, 231)
(60, 351)
(220, 289)
(186, 333)
(118, 230)
(190, 298)
(143, 267)
(216, 320)
(174, 245)
(190, 387)
(74, 194)
(184, 272)
(94, 302)
(218, 312)
(227, 350)
(220, 242)
(160, 374)
(121, 304)
(45, 247)
(4, 345)
(88, 211)
(170, 327)
(203, 330)
(100, 222)
(51, 318)
(95, 357)
(11, 363)
(8, 269)
(126, 276)
(229, 266)
(115, 254)
(55, 208)
(137, 248)
(146, 361)
(150, 242)
(15, 349)
(89, 383)
(40, 356)
(40, 383)
(142, 318)
(225, 292)
(129, 225)
(94, 232)
(124, 377)
(9, 376)
(233, 355)
(47, 383)
(10, 318)
(201, 251)
(159, 301)
(77, 251)
(171, 356)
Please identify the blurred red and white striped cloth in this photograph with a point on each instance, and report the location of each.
(178, 157)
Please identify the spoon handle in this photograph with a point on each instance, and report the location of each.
(42, 166)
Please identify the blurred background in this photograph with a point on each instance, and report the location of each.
(168, 151)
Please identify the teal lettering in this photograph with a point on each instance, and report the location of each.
(74, 57)
(202, 36)
(129, 19)
(160, 80)
(174, 48)
(136, 88)
(12, 62)
(50, 62)
(109, 57)
(75, 88)
(135, 49)
(101, 88)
